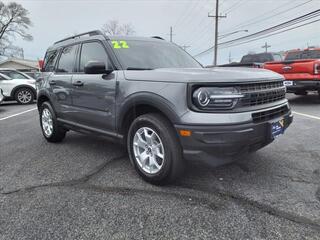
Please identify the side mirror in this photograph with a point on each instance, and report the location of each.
(95, 67)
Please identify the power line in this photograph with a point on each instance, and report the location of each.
(272, 34)
(230, 9)
(302, 18)
(270, 30)
(186, 14)
(253, 21)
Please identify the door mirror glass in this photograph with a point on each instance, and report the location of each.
(96, 67)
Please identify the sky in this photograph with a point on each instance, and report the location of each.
(55, 19)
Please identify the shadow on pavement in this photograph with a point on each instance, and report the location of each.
(304, 100)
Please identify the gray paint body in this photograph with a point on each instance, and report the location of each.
(101, 103)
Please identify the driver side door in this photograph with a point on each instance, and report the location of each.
(93, 95)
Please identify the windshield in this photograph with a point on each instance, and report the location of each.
(147, 55)
(308, 54)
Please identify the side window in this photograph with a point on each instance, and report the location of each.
(67, 59)
(50, 61)
(14, 75)
(277, 57)
(92, 51)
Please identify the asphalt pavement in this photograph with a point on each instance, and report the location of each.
(85, 187)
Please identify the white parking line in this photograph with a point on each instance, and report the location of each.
(307, 115)
(17, 114)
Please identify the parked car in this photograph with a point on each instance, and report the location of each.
(255, 60)
(152, 96)
(16, 86)
(1, 96)
(301, 69)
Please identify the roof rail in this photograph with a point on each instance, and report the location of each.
(157, 37)
(91, 33)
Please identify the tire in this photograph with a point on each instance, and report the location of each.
(171, 165)
(24, 96)
(57, 133)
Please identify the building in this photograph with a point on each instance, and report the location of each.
(22, 65)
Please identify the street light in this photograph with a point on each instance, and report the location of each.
(229, 34)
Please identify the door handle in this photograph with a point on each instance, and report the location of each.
(78, 83)
(52, 82)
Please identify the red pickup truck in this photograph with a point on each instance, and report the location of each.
(301, 70)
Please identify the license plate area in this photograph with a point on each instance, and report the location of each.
(277, 128)
(288, 83)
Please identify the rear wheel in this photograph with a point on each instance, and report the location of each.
(154, 149)
(24, 96)
(52, 132)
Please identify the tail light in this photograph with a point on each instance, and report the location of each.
(41, 64)
(317, 68)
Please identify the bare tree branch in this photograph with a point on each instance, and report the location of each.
(14, 21)
(113, 27)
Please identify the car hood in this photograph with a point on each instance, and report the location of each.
(190, 75)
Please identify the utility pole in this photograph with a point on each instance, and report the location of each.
(230, 59)
(266, 46)
(171, 34)
(217, 16)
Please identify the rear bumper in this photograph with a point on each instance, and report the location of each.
(219, 145)
(304, 85)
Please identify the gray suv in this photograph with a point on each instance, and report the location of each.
(161, 103)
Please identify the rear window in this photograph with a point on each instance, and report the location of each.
(50, 61)
(307, 54)
(257, 58)
(67, 59)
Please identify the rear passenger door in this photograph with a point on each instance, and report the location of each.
(60, 79)
(94, 98)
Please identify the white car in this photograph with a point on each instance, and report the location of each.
(17, 86)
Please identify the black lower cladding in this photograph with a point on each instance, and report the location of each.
(304, 85)
(219, 145)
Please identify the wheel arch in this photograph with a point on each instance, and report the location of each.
(16, 88)
(42, 97)
(140, 104)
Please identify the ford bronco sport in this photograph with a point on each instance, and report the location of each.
(155, 98)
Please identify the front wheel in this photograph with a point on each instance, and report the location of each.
(154, 149)
(51, 131)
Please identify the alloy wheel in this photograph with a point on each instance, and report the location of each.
(148, 150)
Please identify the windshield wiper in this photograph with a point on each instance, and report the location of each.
(141, 69)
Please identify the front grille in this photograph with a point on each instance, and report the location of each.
(260, 86)
(269, 114)
(262, 93)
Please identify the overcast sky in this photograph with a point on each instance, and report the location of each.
(56, 19)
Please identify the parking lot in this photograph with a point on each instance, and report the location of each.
(85, 187)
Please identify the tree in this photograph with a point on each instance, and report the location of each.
(14, 21)
(113, 27)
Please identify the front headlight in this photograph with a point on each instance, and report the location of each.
(214, 98)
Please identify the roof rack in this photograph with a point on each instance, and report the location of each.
(157, 37)
(91, 33)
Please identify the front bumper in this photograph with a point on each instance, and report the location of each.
(304, 85)
(219, 145)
